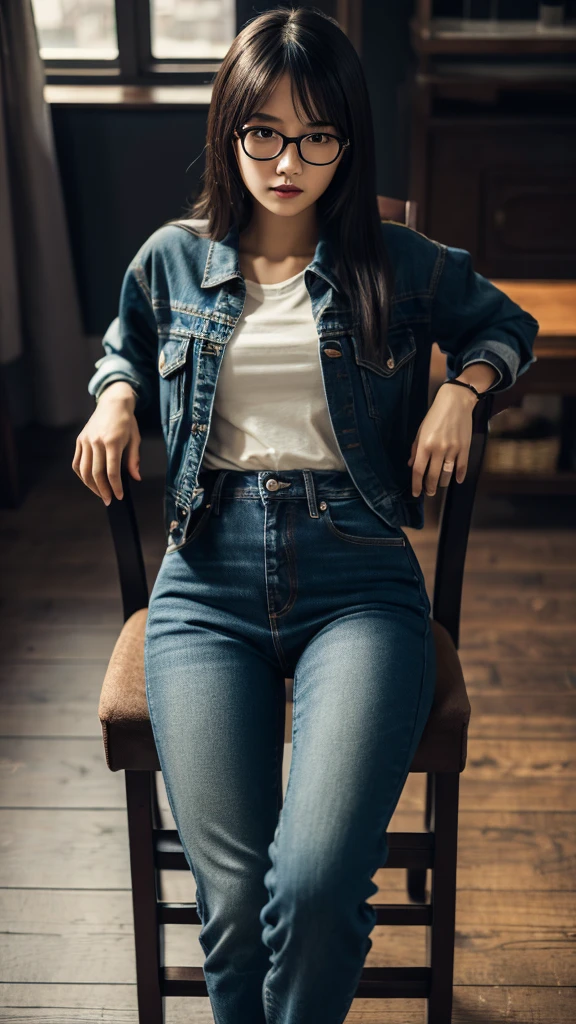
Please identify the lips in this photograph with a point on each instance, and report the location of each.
(287, 188)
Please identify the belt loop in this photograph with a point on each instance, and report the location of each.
(215, 496)
(310, 493)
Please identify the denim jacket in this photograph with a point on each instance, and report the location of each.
(182, 296)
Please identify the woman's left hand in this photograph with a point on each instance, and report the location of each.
(443, 440)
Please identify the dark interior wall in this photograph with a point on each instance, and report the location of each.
(124, 171)
(388, 59)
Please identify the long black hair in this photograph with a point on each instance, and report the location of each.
(328, 85)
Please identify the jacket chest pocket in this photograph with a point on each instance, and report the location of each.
(387, 387)
(172, 364)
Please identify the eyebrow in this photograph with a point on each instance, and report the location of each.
(278, 120)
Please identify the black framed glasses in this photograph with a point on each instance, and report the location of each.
(264, 143)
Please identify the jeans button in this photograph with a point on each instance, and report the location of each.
(272, 485)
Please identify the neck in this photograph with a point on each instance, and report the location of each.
(279, 238)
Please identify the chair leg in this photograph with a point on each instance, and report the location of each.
(416, 877)
(416, 884)
(440, 935)
(148, 935)
(156, 812)
(157, 823)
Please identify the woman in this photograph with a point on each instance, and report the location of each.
(287, 339)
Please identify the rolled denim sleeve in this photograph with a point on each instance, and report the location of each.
(474, 321)
(130, 342)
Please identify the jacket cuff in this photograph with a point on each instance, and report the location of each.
(504, 376)
(502, 357)
(110, 380)
(107, 374)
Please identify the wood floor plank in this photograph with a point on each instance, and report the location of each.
(482, 957)
(518, 795)
(69, 772)
(510, 605)
(556, 645)
(79, 643)
(89, 849)
(83, 1004)
(56, 937)
(524, 676)
(549, 644)
(83, 911)
(67, 610)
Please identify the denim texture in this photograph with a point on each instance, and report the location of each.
(183, 295)
(298, 579)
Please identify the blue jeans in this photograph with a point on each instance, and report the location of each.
(298, 579)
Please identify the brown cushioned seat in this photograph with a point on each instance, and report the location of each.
(129, 741)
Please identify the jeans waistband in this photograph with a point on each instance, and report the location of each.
(311, 485)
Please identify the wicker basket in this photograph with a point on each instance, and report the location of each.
(521, 455)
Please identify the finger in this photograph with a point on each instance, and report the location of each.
(433, 473)
(448, 464)
(99, 474)
(86, 468)
(413, 448)
(461, 467)
(420, 465)
(77, 457)
(133, 456)
(113, 461)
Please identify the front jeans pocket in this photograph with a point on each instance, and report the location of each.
(352, 520)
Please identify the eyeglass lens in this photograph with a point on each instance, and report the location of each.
(264, 144)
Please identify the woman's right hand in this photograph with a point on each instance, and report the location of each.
(99, 446)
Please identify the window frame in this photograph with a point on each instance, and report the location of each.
(135, 63)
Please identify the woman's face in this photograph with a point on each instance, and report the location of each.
(260, 177)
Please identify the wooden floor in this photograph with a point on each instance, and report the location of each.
(67, 942)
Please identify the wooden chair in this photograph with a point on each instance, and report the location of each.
(129, 746)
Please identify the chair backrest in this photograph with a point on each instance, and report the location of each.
(455, 519)
(403, 211)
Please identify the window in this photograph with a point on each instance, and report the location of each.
(133, 42)
(192, 28)
(76, 29)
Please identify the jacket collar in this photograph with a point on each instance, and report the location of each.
(222, 261)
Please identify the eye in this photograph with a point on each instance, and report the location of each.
(254, 131)
(319, 135)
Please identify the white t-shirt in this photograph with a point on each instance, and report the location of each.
(270, 409)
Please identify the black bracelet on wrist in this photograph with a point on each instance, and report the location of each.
(463, 384)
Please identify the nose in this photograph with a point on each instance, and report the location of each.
(289, 158)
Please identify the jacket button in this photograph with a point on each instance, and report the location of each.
(173, 525)
(333, 353)
(161, 360)
(390, 362)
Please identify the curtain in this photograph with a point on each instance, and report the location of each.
(44, 356)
